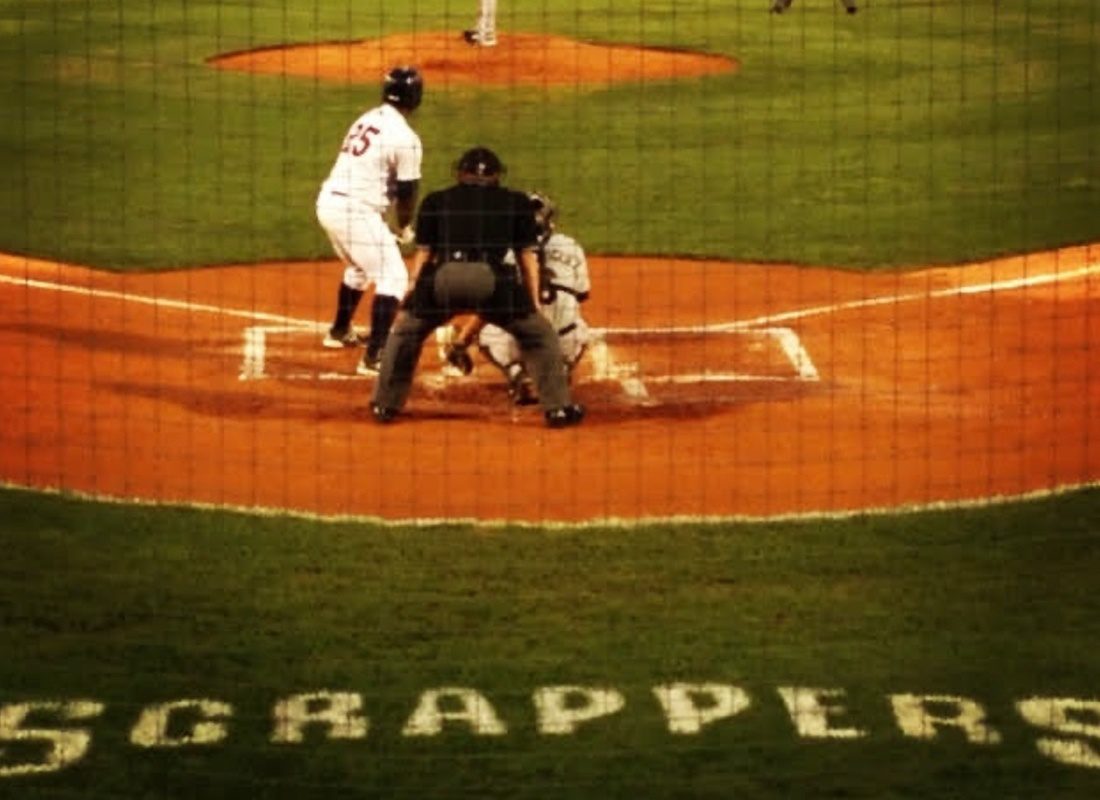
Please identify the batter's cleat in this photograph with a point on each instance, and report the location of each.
(565, 416)
(382, 414)
(478, 39)
(336, 340)
(369, 365)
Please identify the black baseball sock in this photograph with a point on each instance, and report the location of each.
(346, 303)
(383, 311)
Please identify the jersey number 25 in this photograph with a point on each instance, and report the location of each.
(358, 139)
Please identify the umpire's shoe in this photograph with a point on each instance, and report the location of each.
(565, 416)
(382, 414)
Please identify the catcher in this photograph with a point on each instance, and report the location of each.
(563, 285)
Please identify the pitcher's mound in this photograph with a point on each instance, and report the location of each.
(518, 59)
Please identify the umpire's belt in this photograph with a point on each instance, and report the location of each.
(466, 256)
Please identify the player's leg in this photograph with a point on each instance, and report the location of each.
(377, 251)
(574, 344)
(333, 218)
(487, 22)
(341, 333)
(779, 6)
(398, 363)
(484, 33)
(542, 357)
(439, 295)
(501, 348)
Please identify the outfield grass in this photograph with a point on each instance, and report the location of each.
(135, 606)
(841, 140)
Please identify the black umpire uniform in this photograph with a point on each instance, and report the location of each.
(463, 234)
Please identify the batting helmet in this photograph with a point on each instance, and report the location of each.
(545, 211)
(403, 87)
(479, 165)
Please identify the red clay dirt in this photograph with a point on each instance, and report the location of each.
(519, 59)
(932, 386)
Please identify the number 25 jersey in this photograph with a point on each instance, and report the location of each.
(380, 148)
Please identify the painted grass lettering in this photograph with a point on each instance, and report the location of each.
(1067, 729)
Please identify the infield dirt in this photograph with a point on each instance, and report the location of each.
(935, 385)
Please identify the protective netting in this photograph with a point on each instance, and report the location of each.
(824, 276)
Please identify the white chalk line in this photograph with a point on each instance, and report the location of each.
(870, 302)
(160, 302)
(787, 316)
(594, 523)
(628, 373)
(255, 336)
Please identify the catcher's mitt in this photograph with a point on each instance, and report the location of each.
(458, 356)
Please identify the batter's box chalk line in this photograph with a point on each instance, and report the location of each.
(606, 365)
(255, 356)
(605, 362)
(254, 351)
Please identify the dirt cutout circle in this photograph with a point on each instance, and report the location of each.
(518, 59)
(210, 386)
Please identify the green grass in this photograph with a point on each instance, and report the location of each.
(841, 140)
(135, 606)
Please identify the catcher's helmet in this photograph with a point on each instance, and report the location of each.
(545, 211)
(479, 165)
(403, 87)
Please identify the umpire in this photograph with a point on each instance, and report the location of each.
(463, 234)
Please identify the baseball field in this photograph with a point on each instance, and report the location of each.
(830, 529)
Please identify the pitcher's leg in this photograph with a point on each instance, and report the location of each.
(487, 21)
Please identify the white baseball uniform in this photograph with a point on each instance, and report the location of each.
(380, 149)
(565, 286)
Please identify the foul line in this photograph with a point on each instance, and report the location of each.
(787, 316)
(159, 302)
(768, 319)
